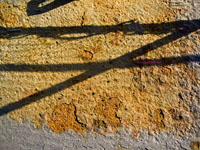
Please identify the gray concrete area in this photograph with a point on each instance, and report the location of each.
(15, 136)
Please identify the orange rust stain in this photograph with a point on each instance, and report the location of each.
(63, 118)
(108, 111)
(166, 70)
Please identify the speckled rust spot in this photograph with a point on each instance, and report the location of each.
(108, 111)
(64, 117)
(166, 70)
(100, 123)
(87, 55)
(7, 17)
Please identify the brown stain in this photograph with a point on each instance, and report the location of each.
(107, 110)
(87, 55)
(158, 117)
(63, 118)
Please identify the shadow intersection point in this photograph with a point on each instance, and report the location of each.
(92, 69)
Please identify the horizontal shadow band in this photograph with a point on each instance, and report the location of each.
(128, 28)
(99, 65)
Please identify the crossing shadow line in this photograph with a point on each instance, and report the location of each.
(93, 69)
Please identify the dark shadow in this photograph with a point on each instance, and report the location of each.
(99, 65)
(34, 9)
(128, 28)
(93, 69)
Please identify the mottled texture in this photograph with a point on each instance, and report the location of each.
(106, 65)
(62, 118)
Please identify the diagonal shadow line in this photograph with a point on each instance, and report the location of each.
(180, 32)
(154, 45)
(94, 70)
(47, 92)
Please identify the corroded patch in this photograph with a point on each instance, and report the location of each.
(147, 98)
(108, 112)
(64, 117)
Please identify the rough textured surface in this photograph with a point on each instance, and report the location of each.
(102, 66)
(64, 117)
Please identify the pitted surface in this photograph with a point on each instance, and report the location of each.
(107, 66)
